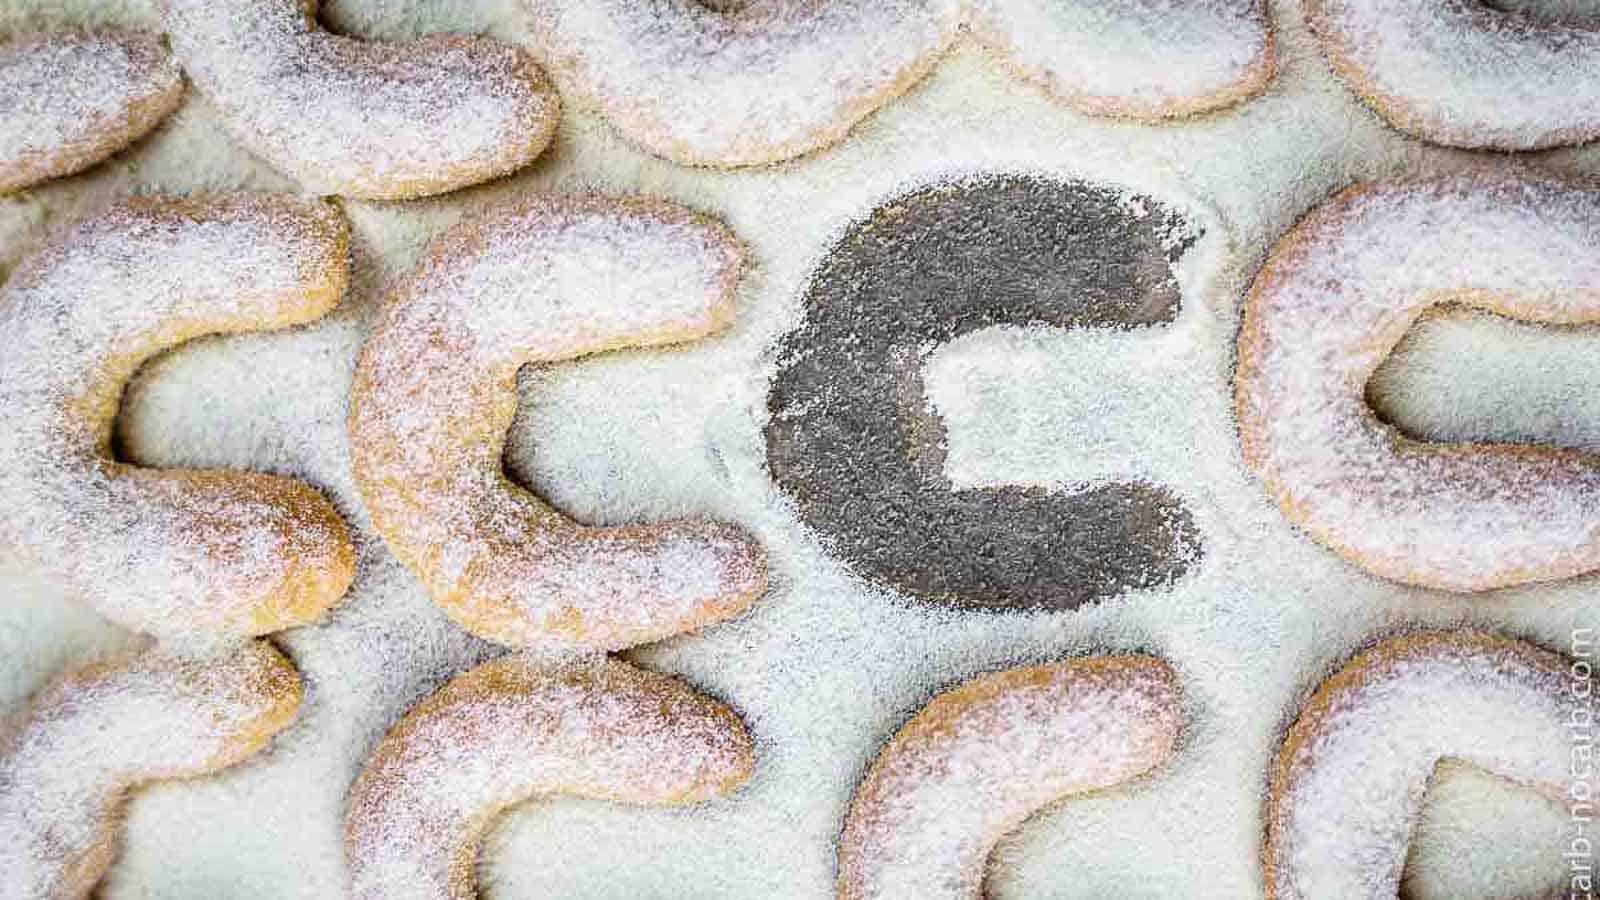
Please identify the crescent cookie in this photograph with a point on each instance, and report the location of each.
(762, 82)
(371, 120)
(1348, 784)
(979, 759)
(514, 729)
(68, 101)
(1463, 73)
(172, 553)
(1142, 59)
(435, 392)
(1336, 295)
(98, 732)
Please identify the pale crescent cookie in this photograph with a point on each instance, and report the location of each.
(762, 82)
(68, 101)
(1142, 59)
(198, 554)
(98, 732)
(1465, 74)
(1336, 295)
(548, 280)
(1348, 784)
(364, 119)
(979, 759)
(514, 729)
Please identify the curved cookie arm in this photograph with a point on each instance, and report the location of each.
(768, 81)
(979, 759)
(1464, 74)
(514, 729)
(99, 731)
(1142, 59)
(173, 553)
(1335, 297)
(68, 101)
(364, 119)
(1349, 781)
(435, 393)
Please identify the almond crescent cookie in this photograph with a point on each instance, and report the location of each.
(979, 759)
(69, 101)
(551, 279)
(1348, 785)
(364, 119)
(514, 729)
(195, 554)
(1335, 297)
(100, 731)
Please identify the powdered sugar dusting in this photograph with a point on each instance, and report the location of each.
(1463, 73)
(514, 729)
(101, 730)
(364, 119)
(1353, 771)
(980, 759)
(180, 554)
(69, 100)
(1338, 294)
(770, 80)
(1146, 59)
(548, 280)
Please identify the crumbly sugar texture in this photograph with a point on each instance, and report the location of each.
(1336, 296)
(763, 81)
(978, 760)
(69, 100)
(766, 81)
(1350, 780)
(541, 282)
(184, 554)
(359, 118)
(515, 729)
(1468, 74)
(99, 731)
(827, 665)
(1148, 59)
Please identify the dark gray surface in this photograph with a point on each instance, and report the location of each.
(852, 440)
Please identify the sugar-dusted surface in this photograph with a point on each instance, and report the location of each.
(87, 738)
(1146, 59)
(762, 82)
(515, 729)
(1337, 295)
(1349, 782)
(184, 554)
(364, 119)
(1467, 73)
(540, 282)
(69, 100)
(978, 760)
(746, 83)
(825, 668)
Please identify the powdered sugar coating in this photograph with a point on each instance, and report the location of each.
(978, 760)
(548, 280)
(99, 731)
(1337, 294)
(761, 82)
(1349, 780)
(513, 729)
(1147, 59)
(1465, 74)
(372, 120)
(69, 100)
(178, 554)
